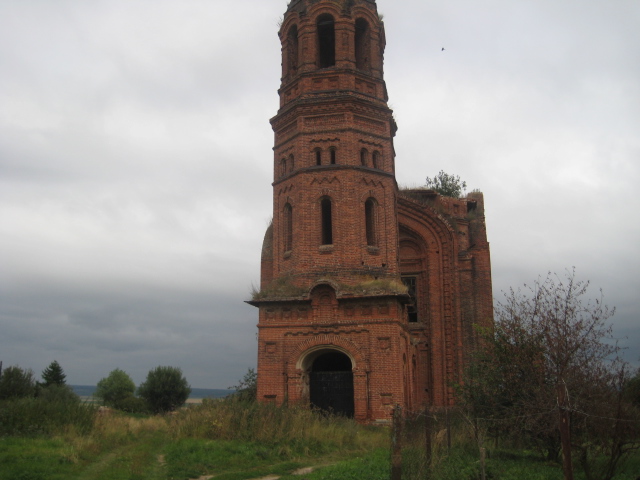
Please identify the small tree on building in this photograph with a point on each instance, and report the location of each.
(447, 185)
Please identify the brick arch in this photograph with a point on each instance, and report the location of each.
(366, 14)
(445, 328)
(291, 19)
(325, 282)
(330, 342)
(324, 8)
(418, 222)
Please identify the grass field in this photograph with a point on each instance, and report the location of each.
(236, 441)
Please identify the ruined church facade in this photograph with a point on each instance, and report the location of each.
(369, 294)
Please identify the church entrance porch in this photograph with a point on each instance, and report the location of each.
(331, 384)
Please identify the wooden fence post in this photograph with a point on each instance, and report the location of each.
(565, 430)
(427, 440)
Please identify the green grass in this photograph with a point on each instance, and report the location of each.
(237, 441)
(370, 466)
(190, 458)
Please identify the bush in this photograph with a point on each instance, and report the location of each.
(16, 383)
(133, 405)
(165, 389)
(115, 388)
(57, 393)
(446, 184)
(247, 388)
(33, 416)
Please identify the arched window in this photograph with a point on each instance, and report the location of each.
(364, 157)
(292, 50)
(376, 159)
(283, 167)
(370, 221)
(332, 152)
(318, 155)
(326, 220)
(291, 163)
(288, 227)
(363, 45)
(326, 41)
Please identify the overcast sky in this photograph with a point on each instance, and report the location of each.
(136, 163)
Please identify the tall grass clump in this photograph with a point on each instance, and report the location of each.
(41, 415)
(299, 429)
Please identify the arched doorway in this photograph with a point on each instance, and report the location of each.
(331, 383)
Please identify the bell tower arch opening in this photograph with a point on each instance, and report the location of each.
(326, 41)
(292, 50)
(363, 45)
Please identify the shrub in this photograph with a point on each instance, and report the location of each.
(32, 416)
(133, 405)
(57, 393)
(247, 387)
(115, 388)
(165, 389)
(446, 184)
(16, 383)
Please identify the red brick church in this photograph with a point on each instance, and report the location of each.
(369, 294)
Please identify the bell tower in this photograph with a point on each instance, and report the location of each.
(330, 283)
(334, 185)
(358, 300)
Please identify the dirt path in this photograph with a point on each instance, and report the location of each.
(300, 471)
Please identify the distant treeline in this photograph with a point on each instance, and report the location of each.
(196, 393)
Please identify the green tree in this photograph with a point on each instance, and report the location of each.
(53, 375)
(114, 389)
(16, 383)
(447, 185)
(165, 389)
(247, 387)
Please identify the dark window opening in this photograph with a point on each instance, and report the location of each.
(288, 227)
(291, 163)
(333, 156)
(292, 50)
(363, 45)
(363, 157)
(326, 41)
(376, 160)
(327, 227)
(370, 221)
(412, 306)
(283, 167)
(318, 156)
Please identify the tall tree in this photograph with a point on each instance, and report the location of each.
(16, 383)
(552, 359)
(115, 388)
(53, 375)
(165, 389)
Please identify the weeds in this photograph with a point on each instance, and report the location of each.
(34, 416)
